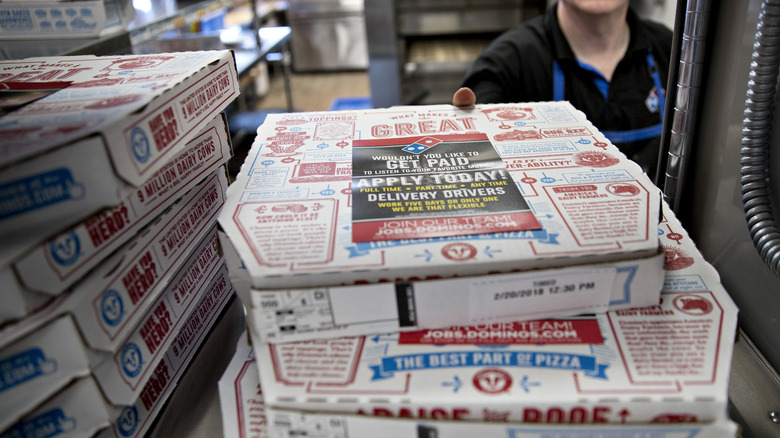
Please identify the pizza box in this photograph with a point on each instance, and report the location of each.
(201, 280)
(58, 19)
(291, 217)
(283, 423)
(109, 304)
(119, 380)
(110, 300)
(664, 363)
(49, 355)
(37, 361)
(82, 248)
(240, 396)
(64, 258)
(135, 420)
(103, 127)
(79, 410)
(244, 414)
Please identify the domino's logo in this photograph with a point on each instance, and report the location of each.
(139, 143)
(127, 422)
(421, 145)
(132, 360)
(65, 249)
(111, 307)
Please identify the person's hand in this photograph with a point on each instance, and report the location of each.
(464, 97)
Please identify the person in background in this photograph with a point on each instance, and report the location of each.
(597, 54)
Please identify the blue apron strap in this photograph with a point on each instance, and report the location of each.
(650, 131)
(634, 134)
(622, 136)
(657, 80)
(558, 83)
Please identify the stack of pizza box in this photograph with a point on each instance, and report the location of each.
(437, 270)
(113, 174)
(44, 20)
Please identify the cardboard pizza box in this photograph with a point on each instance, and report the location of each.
(42, 20)
(287, 423)
(244, 413)
(110, 302)
(203, 278)
(348, 222)
(38, 360)
(79, 407)
(71, 255)
(136, 419)
(657, 364)
(77, 410)
(108, 306)
(102, 127)
(67, 256)
(664, 363)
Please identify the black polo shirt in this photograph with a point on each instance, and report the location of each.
(518, 67)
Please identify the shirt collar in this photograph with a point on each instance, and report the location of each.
(639, 40)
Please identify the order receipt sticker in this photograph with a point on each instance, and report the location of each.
(507, 296)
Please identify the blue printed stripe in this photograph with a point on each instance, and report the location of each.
(459, 359)
(542, 236)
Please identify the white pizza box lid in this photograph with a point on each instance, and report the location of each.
(289, 212)
(117, 120)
